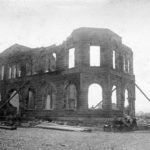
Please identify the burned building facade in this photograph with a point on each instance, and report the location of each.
(54, 82)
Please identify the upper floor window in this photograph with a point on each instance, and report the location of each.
(52, 62)
(47, 62)
(34, 65)
(18, 70)
(114, 59)
(126, 64)
(71, 57)
(2, 72)
(28, 69)
(94, 55)
(14, 71)
(9, 73)
(54, 55)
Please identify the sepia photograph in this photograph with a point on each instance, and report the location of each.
(75, 75)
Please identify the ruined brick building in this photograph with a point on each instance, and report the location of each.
(47, 82)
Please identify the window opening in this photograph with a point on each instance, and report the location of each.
(72, 58)
(94, 55)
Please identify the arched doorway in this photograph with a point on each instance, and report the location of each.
(95, 96)
(15, 101)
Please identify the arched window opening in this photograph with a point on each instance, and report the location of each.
(71, 97)
(31, 100)
(95, 96)
(126, 102)
(15, 101)
(114, 98)
(114, 59)
(94, 55)
(72, 58)
(48, 96)
(49, 102)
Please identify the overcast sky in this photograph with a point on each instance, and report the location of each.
(37, 23)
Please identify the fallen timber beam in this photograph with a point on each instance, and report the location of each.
(142, 92)
(12, 95)
(102, 100)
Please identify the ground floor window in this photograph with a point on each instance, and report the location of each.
(31, 100)
(15, 101)
(71, 97)
(49, 102)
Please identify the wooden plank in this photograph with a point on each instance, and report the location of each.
(8, 127)
(62, 127)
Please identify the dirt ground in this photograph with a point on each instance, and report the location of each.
(44, 139)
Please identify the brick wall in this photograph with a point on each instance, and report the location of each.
(82, 75)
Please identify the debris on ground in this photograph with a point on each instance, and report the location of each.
(143, 124)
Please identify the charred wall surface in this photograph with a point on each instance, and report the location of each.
(48, 83)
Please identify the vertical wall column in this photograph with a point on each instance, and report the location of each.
(120, 95)
(131, 106)
(83, 99)
(83, 95)
(106, 99)
(132, 100)
(120, 99)
(131, 64)
(60, 97)
(107, 92)
(6, 72)
(84, 50)
(78, 54)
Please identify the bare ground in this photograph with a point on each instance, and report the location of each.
(43, 139)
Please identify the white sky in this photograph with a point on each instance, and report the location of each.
(37, 23)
